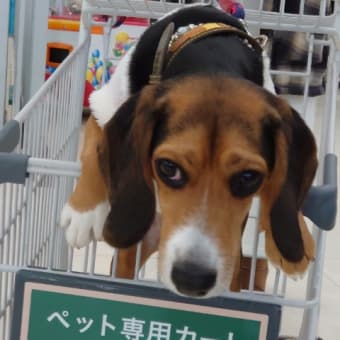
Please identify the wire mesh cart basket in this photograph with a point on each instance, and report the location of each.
(39, 167)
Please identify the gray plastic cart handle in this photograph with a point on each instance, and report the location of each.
(13, 167)
(9, 136)
(320, 205)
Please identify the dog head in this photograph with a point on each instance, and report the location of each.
(205, 146)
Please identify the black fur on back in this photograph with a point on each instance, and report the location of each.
(218, 53)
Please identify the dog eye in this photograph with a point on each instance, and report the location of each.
(245, 183)
(170, 173)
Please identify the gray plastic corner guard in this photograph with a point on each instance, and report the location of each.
(320, 205)
(9, 136)
(13, 168)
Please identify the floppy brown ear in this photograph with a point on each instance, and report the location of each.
(289, 244)
(124, 157)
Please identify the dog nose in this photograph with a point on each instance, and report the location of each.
(192, 279)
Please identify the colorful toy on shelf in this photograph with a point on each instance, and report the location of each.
(233, 7)
(49, 71)
(96, 69)
(123, 42)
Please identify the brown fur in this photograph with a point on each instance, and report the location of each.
(91, 187)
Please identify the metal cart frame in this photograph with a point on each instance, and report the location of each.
(38, 167)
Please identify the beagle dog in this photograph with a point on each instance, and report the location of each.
(177, 163)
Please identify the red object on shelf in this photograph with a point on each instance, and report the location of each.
(136, 21)
(233, 7)
(88, 90)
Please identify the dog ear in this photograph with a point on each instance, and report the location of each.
(124, 155)
(291, 157)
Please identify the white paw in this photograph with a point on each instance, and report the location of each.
(83, 227)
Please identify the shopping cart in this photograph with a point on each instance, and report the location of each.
(38, 166)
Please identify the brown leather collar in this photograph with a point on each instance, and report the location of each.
(161, 54)
(169, 46)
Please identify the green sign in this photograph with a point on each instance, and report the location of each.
(54, 312)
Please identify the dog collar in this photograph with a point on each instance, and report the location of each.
(172, 43)
(187, 35)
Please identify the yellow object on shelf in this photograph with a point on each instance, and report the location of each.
(122, 37)
(70, 25)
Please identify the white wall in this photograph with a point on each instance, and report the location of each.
(30, 44)
(4, 9)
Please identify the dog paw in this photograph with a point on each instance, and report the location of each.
(295, 270)
(81, 227)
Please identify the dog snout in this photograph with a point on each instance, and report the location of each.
(192, 279)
